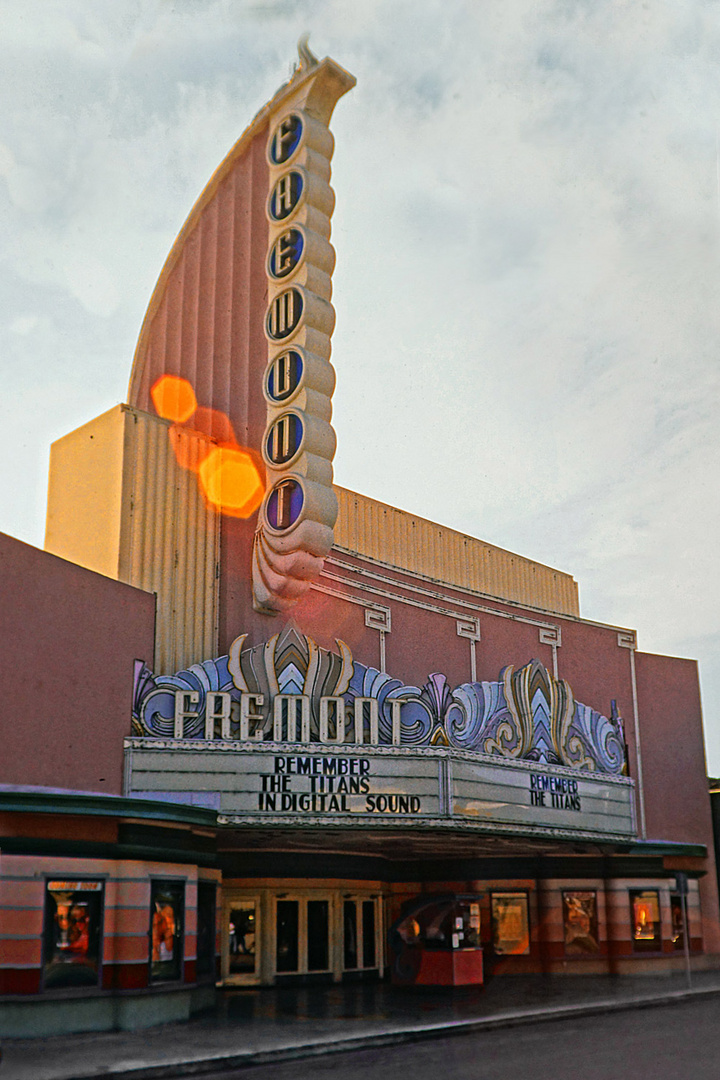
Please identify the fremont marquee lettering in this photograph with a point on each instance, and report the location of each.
(322, 785)
(244, 720)
(554, 791)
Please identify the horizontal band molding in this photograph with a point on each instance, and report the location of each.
(53, 802)
(88, 849)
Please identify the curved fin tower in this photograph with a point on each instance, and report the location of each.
(217, 494)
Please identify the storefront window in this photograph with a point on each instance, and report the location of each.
(206, 929)
(678, 922)
(167, 910)
(73, 933)
(580, 923)
(645, 920)
(510, 923)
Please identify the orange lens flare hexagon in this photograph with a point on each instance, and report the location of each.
(174, 398)
(191, 452)
(231, 481)
(230, 477)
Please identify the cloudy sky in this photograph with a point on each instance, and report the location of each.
(528, 238)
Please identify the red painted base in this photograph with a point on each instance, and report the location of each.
(462, 967)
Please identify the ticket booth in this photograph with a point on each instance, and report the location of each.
(436, 942)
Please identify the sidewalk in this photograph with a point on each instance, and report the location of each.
(260, 1026)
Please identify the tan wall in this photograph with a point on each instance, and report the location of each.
(84, 513)
(394, 537)
(119, 503)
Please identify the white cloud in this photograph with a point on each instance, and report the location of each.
(528, 242)
(23, 324)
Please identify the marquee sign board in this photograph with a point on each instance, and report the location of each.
(373, 786)
(291, 733)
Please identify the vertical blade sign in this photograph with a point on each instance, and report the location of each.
(295, 528)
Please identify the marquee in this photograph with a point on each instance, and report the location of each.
(288, 732)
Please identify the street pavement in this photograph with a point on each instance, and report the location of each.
(676, 1042)
(269, 1026)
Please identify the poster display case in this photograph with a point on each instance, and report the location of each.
(510, 923)
(167, 911)
(580, 923)
(72, 933)
(645, 925)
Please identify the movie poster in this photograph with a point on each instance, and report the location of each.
(167, 906)
(645, 920)
(73, 933)
(580, 923)
(510, 924)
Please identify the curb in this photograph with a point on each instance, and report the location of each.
(249, 1058)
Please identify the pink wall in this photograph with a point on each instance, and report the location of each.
(674, 770)
(69, 639)
(673, 752)
(206, 316)
(205, 323)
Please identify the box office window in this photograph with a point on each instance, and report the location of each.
(580, 923)
(466, 925)
(510, 923)
(445, 924)
(72, 933)
(167, 914)
(645, 920)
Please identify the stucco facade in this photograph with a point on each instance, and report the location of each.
(329, 738)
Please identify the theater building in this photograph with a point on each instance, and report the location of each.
(265, 729)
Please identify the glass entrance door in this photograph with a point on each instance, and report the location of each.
(302, 935)
(272, 936)
(361, 947)
(241, 953)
